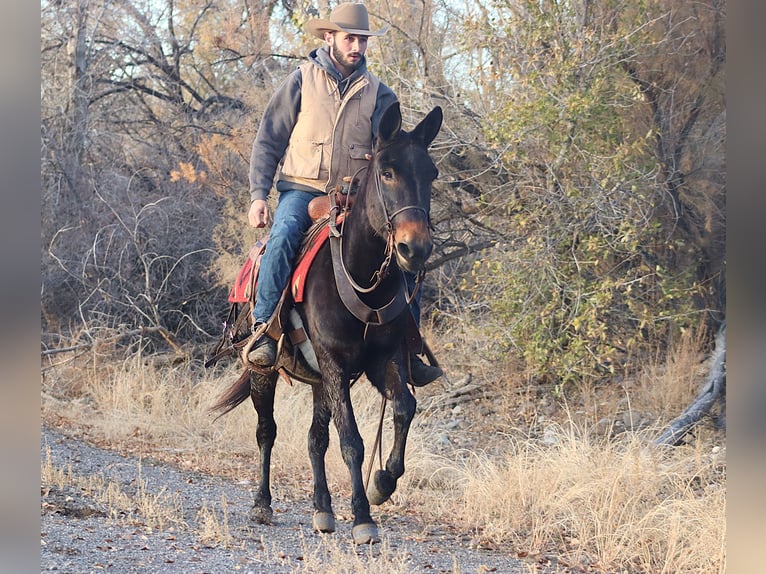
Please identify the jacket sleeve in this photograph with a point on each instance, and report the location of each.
(274, 134)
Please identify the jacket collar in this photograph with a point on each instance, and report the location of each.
(321, 57)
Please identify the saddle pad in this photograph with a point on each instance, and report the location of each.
(298, 281)
(243, 289)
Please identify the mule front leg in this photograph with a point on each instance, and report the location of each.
(364, 530)
(383, 484)
(318, 441)
(262, 390)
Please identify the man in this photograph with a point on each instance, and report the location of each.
(320, 123)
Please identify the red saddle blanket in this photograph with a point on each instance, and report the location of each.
(298, 282)
(243, 290)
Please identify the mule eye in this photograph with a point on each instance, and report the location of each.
(387, 174)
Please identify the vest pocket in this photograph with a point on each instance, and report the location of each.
(303, 158)
(358, 151)
(356, 158)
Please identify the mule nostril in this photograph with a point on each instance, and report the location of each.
(414, 253)
(404, 250)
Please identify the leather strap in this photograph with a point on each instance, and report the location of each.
(357, 307)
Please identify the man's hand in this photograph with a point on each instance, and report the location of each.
(259, 214)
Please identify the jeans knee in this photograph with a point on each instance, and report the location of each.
(285, 229)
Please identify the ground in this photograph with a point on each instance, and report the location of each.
(80, 533)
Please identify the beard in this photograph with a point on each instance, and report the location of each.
(345, 62)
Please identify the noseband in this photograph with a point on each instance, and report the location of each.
(390, 218)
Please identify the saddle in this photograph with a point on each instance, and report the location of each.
(295, 355)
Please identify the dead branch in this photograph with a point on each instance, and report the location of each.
(47, 352)
(142, 331)
(714, 388)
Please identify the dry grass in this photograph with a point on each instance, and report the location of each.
(533, 485)
(608, 504)
(331, 554)
(213, 530)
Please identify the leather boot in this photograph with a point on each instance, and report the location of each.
(264, 351)
(423, 374)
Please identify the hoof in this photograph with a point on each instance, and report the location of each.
(380, 488)
(261, 514)
(365, 534)
(323, 522)
(375, 497)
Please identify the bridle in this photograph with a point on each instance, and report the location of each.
(397, 304)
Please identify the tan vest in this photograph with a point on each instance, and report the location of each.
(331, 135)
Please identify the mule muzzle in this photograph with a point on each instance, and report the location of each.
(412, 245)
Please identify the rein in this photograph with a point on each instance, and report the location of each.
(378, 446)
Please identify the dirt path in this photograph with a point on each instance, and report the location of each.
(82, 533)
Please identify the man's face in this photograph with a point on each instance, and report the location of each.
(347, 50)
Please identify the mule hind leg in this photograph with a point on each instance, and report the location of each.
(262, 391)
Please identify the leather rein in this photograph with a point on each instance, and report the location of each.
(349, 290)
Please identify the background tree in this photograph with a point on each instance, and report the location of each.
(615, 218)
(133, 93)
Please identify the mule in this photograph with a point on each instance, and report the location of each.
(355, 311)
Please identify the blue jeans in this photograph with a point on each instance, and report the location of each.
(291, 220)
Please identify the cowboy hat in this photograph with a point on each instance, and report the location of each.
(348, 17)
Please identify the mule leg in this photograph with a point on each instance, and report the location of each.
(262, 390)
(318, 441)
(364, 530)
(404, 404)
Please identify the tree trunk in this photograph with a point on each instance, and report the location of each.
(78, 105)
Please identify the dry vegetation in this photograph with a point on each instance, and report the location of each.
(156, 511)
(517, 466)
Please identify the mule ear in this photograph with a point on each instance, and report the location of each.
(390, 123)
(429, 126)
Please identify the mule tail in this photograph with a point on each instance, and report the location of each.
(233, 397)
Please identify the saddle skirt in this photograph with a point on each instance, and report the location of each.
(243, 290)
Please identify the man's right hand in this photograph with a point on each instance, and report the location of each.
(259, 214)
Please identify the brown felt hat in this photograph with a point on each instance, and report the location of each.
(349, 17)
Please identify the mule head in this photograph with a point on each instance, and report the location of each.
(404, 173)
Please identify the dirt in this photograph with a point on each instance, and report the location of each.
(81, 534)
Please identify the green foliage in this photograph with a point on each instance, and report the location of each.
(580, 313)
(597, 272)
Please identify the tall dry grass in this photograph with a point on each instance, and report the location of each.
(609, 502)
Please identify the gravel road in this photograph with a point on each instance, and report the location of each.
(79, 533)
